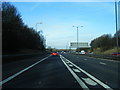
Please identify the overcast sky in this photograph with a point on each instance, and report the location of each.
(97, 18)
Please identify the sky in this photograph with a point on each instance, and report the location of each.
(58, 19)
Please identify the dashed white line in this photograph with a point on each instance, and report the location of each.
(92, 77)
(15, 75)
(105, 59)
(103, 63)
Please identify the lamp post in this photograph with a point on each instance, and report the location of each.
(46, 41)
(77, 35)
(116, 20)
(37, 24)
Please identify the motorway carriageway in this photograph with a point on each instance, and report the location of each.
(63, 71)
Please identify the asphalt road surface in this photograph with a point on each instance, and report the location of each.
(62, 71)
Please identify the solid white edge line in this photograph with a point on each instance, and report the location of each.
(92, 77)
(81, 83)
(18, 73)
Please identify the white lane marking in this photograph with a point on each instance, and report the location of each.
(76, 70)
(92, 77)
(67, 62)
(103, 63)
(70, 65)
(77, 57)
(85, 59)
(89, 81)
(81, 83)
(18, 73)
(105, 59)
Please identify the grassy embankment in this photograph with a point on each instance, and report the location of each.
(110, 51)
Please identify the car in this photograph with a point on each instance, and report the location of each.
(54, 54)
(116, 53)
(62, 52)
(82, 52)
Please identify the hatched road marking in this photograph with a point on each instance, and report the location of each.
(67, 62)
(76, 70)
(90, 76)
(70, 65)
(89, 81)
(80, 82)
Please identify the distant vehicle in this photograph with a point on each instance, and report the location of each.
(54, 54)
(62, 52)
(116, 53)
(82, 52)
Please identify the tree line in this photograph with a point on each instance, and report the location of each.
(15, 34)
(106, 41)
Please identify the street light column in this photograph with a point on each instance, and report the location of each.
(77, 36)
(77, 39)
(116, 18)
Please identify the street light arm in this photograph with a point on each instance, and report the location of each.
(77, 26)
